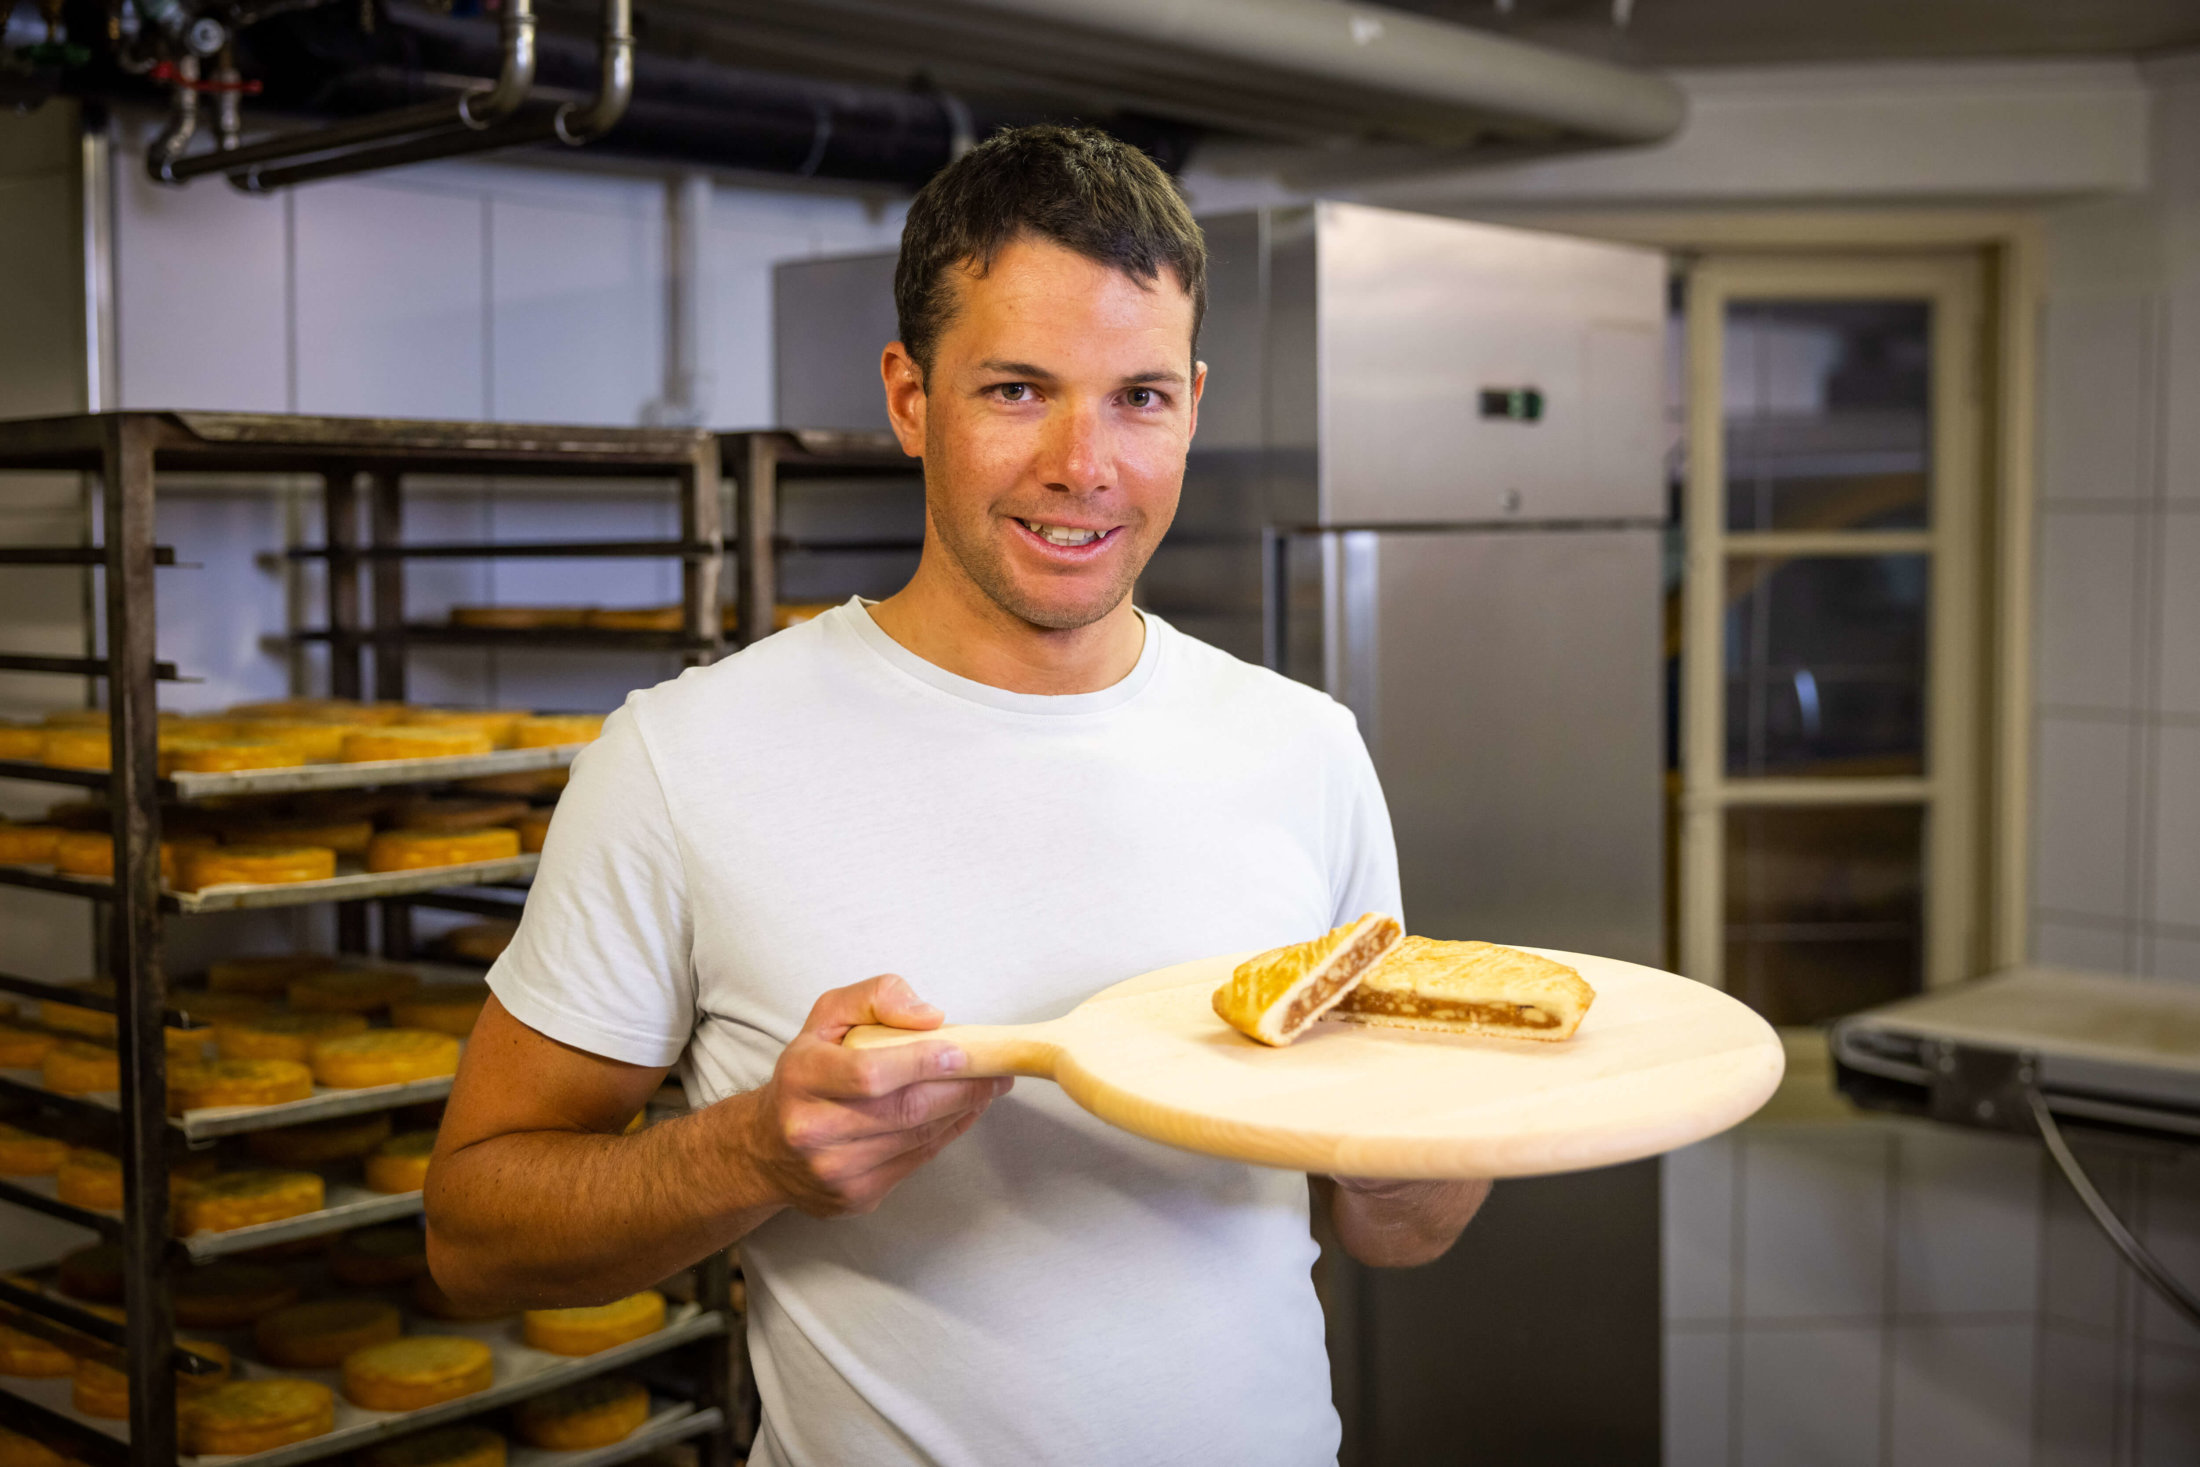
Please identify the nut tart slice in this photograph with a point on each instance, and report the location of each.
(1273, 997)
(1470, 988)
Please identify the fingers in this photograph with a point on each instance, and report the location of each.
(886, 999)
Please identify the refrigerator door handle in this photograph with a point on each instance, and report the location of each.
(1351, 652)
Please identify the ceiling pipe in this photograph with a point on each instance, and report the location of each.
(571, 123)
(475, 111)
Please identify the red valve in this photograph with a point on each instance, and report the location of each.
(165, 71)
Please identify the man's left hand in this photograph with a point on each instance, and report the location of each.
(1387, 1223)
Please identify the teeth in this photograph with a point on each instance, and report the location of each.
(1061, 534)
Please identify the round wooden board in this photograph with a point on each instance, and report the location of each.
(1659, 1062)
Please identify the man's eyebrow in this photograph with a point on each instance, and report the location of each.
(1154, 374)
(1017, 369)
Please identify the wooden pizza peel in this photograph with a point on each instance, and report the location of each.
(1659, 1062)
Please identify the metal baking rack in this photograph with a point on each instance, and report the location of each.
(362, 467)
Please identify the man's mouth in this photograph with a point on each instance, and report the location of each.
(1069, 537)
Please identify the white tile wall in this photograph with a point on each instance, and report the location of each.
(1961, 1393)
(2106, 948)
(2098, 394)
(2079, 1412)
(2174, 957)
(2177, 624)
(1967, 1224)
(1698, 1389)
(578, 325)
(2081, 819)
(1699, 1195)
(2169, 1408)
(2087, 600)
(2177, 824)
(1812, 1395)
(2171, 1230)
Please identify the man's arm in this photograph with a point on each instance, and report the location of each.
(1398, 1224)
(535, 1200)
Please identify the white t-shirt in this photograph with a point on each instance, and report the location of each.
(826, 806)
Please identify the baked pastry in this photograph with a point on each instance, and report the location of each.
(27, 845)
(21, 741)
(72, 1018)
(18, 1450)
(318, 1335)
(458, 813)
(281, 1034)
(400, 1164)
(24, 1154)
(89, 1179)
(93, 1273)
(384, 1057)
(447, 1008)
(428, 1297)
(413, 741)
(91, 853)
(1273, 997)
(638, 619)
(351, 990)
(211, 1008)
(254, 866)
(345, 837)
(593, 1413)
(74, 1067)
(549, 730)
(77, 748)
(596, 1327)
(25, 1354)
(417, 850)
(320, 1142)
(236, 1082)
(534, 829)
(416, 1371)
(374, 1258)
(99, 1389)
(268, 975)
(455, 1446)
(242, 1416)
(23, 1049)
(497, 723)
(481, 942)
(1470, 988)
(221, 756)
(517, 618)
(240, 1199)
(229, 1295)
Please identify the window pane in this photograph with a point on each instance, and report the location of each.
(1827, 415)
(1825, 665)
(1825, 909)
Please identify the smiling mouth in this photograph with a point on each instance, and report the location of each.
(1064, 535)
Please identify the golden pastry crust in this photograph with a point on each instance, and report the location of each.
(25, 1154)
(21, 741)
(233, 1200)
(480, 942)
(25, 1354)
(28, 845)
(318, 1335)
(1273, 997)
(417, 1371)
(597, 1327)
(93, 1273)
(638, 618)
(282, 1035)
(229, 1295)
(72, 1018)
(89, 1179)
(412, 741)
(418, 850)
(428, 1297)
(373, 1258)
(517, 618)
(320, 1142)
(213, 1008)
(384, 1057)
(17, 1450)
(591, 1413)
(268, 975)
(236, 1082)
(460, 813)
(446, 1008)
(495, 723)
(23, 1049)
(550, 730)
(92, 853)
(345, 837)
(456, 1446)
(73, 1067)
(224, 756)
(534, 829)
(77, 748)
(100, 1389)
(254, 866)
(400, 1164)
(1470, 988)
(256, 1415)
(351, 990)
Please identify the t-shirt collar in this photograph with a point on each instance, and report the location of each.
(855, 616)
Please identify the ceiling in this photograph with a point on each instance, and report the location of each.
(1745, 32)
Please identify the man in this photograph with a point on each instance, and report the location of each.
(1001, 789)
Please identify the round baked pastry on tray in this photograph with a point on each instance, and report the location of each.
(28, 845)
(255, 1415)
(351, 990)
(282, 1035)
(418, 1370)
(89, 1179)
(446, 1008)
(549, 730)
(591, 1413)
(318, 1335)
(384, 1057)
(23, 1154)
(74, 1067)
(237, 1082)
(419, 850)
(23, 1049)
(320, 1142)
(453, 1446)
(400, 1164)
(413, 742)
(100, 1389)
(229, 1295)
(375, 1258)
(254, 866)
(241, 1199)
(268, 975)
(25, 1354)
(596, 1327)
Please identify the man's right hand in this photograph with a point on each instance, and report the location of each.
(834, 1130)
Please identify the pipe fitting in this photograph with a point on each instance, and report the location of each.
(576, 125)
(183, 123)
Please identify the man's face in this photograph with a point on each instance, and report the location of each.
(1061, 401)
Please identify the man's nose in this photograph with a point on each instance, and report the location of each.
(1076, 456)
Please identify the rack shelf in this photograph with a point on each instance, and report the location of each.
(351, 886)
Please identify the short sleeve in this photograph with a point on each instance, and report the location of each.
(1363, 851)
(603, 957)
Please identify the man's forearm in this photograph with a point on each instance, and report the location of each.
(551, 1219)
(1400, 1224)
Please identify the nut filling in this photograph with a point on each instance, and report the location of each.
(1404, 1005)
(1315, 998)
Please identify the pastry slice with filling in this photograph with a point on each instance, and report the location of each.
(1470, 988)
(1274, 996)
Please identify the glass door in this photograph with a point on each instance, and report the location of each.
(1828, 650)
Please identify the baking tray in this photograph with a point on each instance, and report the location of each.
(350, 884)
(520, 1372)
(669, 1421)
(297, 778)
(234, 1120)
(350, 1205)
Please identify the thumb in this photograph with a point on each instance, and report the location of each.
(894, 1002)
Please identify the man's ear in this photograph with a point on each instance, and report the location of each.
(1199, 385)
(905, 399)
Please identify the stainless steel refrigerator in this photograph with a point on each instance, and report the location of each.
(1429, 477)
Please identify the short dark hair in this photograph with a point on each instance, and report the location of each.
(1074, 186)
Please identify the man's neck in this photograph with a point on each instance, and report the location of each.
(953, 625)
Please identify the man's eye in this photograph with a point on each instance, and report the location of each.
(1144, 397)
(1014, 391)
